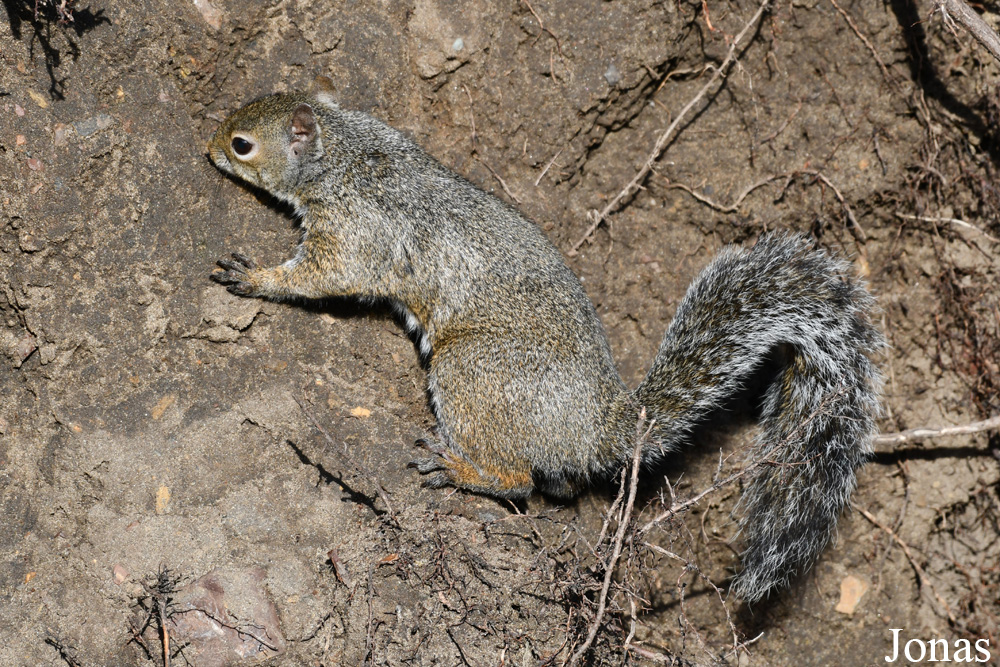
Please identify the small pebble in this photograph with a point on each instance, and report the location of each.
(18, 109)
(89, 126)
(458, 45)
(59, 133)
(612, 75)
(25, 347)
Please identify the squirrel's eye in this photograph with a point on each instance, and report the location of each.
(241, 146)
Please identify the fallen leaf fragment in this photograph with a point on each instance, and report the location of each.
(339, 567)
(851, 591)
(39, 100)
(162, 406)
(162, 499)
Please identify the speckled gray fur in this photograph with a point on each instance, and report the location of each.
(521, 378)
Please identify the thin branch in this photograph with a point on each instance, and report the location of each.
(549, 165)
(723, 208)
(668, 134)
(854, 27)
(954, 221)
(497, 176)
(678, 507)
(689, 566)
(541, 26)
(956, 10)
(855, 227)
(924, 433)
(623, 524)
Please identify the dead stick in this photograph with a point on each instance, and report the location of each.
(855, 228)
(923, 433)
(956, 10)
(678, 507)
(668, 134)
(623, 524)
(166, 637)
(724, 208)
(545, 171)
(954, 221)
(854, 27)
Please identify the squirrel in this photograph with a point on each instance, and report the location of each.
(520, 374)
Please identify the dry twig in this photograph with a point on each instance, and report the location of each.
(954, 221)
(541, 26)
(678, 507)
(924, 433)
(726, 208)
(956, 10)
(66, 652)
(854, 226)
(623, 523)
(857, 31)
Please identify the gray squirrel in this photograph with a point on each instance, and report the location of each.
(521, 378)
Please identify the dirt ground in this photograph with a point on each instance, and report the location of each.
(235, 471)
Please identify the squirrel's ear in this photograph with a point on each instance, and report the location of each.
(323, 90)
(302, 129)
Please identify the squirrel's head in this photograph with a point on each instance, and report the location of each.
(271, 143)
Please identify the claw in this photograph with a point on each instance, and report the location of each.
(229, 265)
(432, 447)
(244, 260)
(424, 466)
(234, 274)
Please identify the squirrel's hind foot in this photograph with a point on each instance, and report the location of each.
(450, 468)
(430, 464)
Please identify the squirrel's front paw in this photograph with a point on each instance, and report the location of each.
(235, 274)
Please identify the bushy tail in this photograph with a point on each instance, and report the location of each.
(818, 417)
